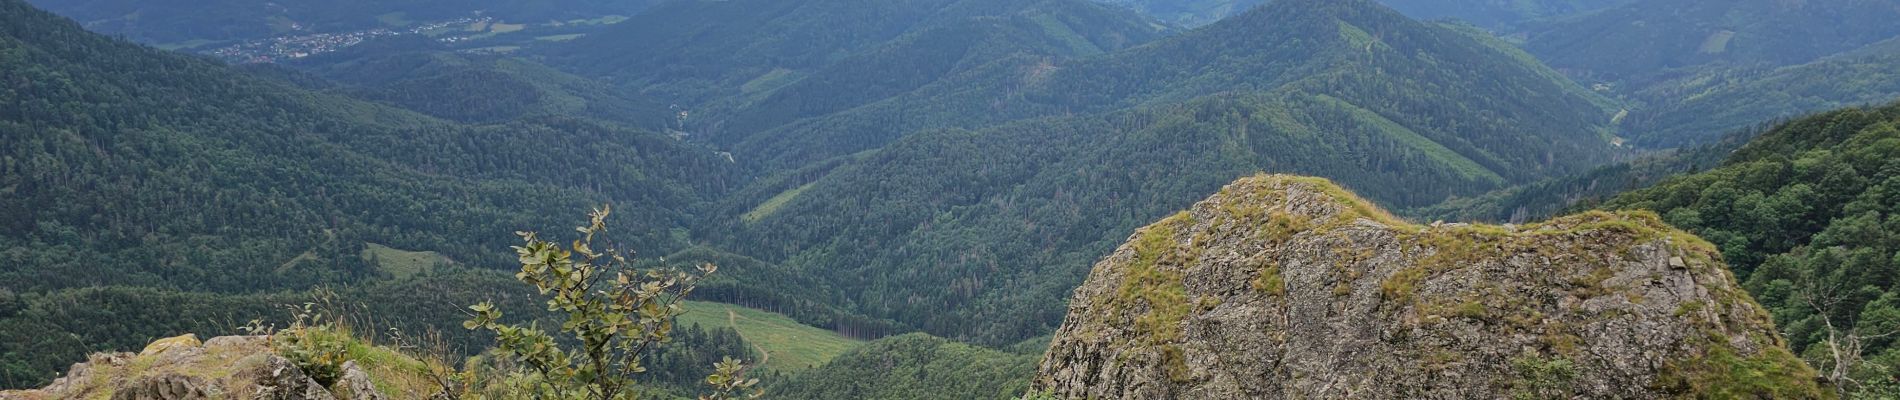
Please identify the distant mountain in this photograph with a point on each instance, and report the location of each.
(1700, 107)
(1501, 15)
(829, 55)
(1059, 160)
(478, 88)
(1647, 40)
(1493, 14)
(182, 22)
(1190, 13)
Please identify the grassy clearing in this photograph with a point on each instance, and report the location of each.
(402, 263)
(505, 28)
(789, 346)
(771, 80)
(603, 20)
(772, 205)
(1717, 43)
(560, 38)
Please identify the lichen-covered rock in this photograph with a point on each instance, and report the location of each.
(185, 341)
(1287, 287)
(356, 385)
(163, 387)
(276, 378)
(182, 368)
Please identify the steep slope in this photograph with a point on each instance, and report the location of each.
(1804, 214)
(697, 52)
(1049, 30)
(1292, 287)
(1010, 212)
(1356, 57)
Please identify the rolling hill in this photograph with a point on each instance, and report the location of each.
(1648, 40)
(1057, 163)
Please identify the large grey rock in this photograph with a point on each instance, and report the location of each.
(1285, 287)
(356, 385)
(278, 379)
(164, 387)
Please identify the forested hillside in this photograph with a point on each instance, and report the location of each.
(694, 52)
(419, 74)
(174, 182)
(914, 366)
(1649, 39)
(1699, 107)
(1695, 71)
(1804, 214)
(1009, 215)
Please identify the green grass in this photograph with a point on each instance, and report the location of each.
(771, 80)
(506, 28)
(402, 263)
(1717, 43)
(772, 205)
(603, 20)
(788, 345)
(560, 38)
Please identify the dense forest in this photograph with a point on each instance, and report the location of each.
(136, 176)
(1804, 215)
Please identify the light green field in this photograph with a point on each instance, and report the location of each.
(785, 344)
(603, 20)
(771, 206)
(771, 80)
(1717, 42)
(505, 28)
(402, 263)
(560, 38)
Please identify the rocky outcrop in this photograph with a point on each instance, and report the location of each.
(182, 368)
(1288, 287)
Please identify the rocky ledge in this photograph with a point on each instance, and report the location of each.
(1291, 287)
(183, 368)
